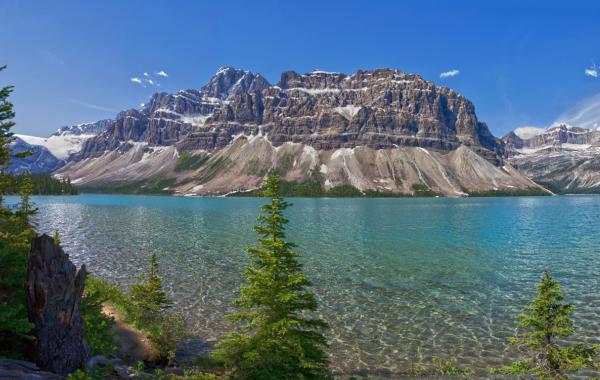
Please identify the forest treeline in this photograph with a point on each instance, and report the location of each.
(41, 184)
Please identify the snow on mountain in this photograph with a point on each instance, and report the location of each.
(61, 146)
(529, 132)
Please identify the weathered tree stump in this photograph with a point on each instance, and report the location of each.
(54, 291)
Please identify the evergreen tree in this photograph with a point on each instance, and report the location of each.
(278, 340)
(544, 321)
(14, 246)
(26, 208)
(149, 297)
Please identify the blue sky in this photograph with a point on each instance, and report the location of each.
(520, 62)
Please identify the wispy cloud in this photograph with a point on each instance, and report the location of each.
(136, 80)
(92, 106)
(51, 57)
(450, 73)
(585, 114)
(591, 71)
(162, 73)
(150, 81)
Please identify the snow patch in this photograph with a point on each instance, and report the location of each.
(528, 132)
(348, 111)
(61, 146)
(314, 91)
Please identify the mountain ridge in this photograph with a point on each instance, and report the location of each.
(383, 130)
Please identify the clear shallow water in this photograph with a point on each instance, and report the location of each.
(399, 280)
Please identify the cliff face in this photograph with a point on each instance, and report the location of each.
(565, 159)
(383, 111)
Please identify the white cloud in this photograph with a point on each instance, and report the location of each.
(450, 73)
(585, 114)
(150, 81)
(162, 73)
(136, 80)
(592, 72)
(92, 106)
(145, 74)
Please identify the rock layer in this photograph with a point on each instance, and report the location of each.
(238, 127)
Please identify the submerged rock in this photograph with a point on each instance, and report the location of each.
(54, 291)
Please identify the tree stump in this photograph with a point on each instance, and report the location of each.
(54, 291)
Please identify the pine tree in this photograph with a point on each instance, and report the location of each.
(149, 297)
(26, 208)
(278, 340)
(14, 246)
(544, 321)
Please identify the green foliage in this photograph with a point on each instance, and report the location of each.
(421, 190)
(91, 373)
(447, 367)
(278, 339)
(148, 296)
(155, 185)
(96, 325)
(56, 237)
(544, 321)
(40, 184)
(187, 161)
(146, 308)
(530, 191)
(15, 235)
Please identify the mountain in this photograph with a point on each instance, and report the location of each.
(564, 158)
(383, 130)
(40, 160)
(50, 153)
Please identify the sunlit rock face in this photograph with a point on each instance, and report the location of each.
(564, 158)
(383, 130)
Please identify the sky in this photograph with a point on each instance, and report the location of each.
(520, 62)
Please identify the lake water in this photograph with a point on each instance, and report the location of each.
(399, 280)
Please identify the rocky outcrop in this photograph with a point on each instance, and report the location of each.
(54, 291)
(23, 370)
(84, 128)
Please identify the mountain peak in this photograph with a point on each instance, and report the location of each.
(229, 81)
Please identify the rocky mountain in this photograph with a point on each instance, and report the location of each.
(50, 153)
(40, 160)
(564, 158)
(383, 130)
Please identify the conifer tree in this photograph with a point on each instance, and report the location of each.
(543, 322)
(14, 246)
(26, 208)
(149, 297)
(278, 340)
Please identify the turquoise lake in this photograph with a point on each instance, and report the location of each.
(399, 280)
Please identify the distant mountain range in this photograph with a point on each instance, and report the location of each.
(382, 130)
(563, 158)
